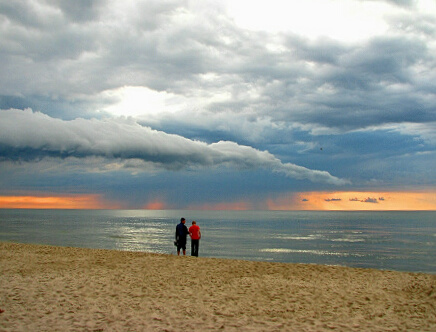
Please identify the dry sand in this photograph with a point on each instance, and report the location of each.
(44, 288)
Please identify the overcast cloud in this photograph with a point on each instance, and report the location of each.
(315, 96)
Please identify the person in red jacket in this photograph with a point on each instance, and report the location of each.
(195, 234)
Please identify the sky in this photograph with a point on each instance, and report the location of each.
(233, 105)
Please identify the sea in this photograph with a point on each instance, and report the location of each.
(400, 241)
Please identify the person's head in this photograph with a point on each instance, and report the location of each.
(194, 222)
(182, 220)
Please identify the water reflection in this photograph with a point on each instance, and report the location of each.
(139, 234)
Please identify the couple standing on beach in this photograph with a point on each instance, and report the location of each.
(181, 235)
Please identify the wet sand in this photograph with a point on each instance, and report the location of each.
(71, 289)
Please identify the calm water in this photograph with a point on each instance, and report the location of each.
(402, 241)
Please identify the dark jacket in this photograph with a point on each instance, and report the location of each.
(181, 233)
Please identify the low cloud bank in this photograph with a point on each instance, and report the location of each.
(27, 135)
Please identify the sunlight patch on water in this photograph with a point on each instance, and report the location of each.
(298, 237)
(347, 240)
(305, 251)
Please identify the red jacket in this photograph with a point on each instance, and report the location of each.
(194, 232)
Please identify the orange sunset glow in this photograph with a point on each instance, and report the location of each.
(155, 205)
(359, 201)
(323, 201)
(56, 202)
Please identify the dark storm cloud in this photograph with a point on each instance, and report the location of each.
(157, 44)
(374, 83)
(28, 135)
(169, 46)
(370, 103)
(79, 10)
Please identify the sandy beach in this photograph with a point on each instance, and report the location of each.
(45, 288)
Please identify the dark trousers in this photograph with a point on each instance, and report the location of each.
(194, 247)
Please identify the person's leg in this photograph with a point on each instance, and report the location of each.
(195, 247)
(192, 247)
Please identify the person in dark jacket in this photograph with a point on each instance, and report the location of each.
(181, 234)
